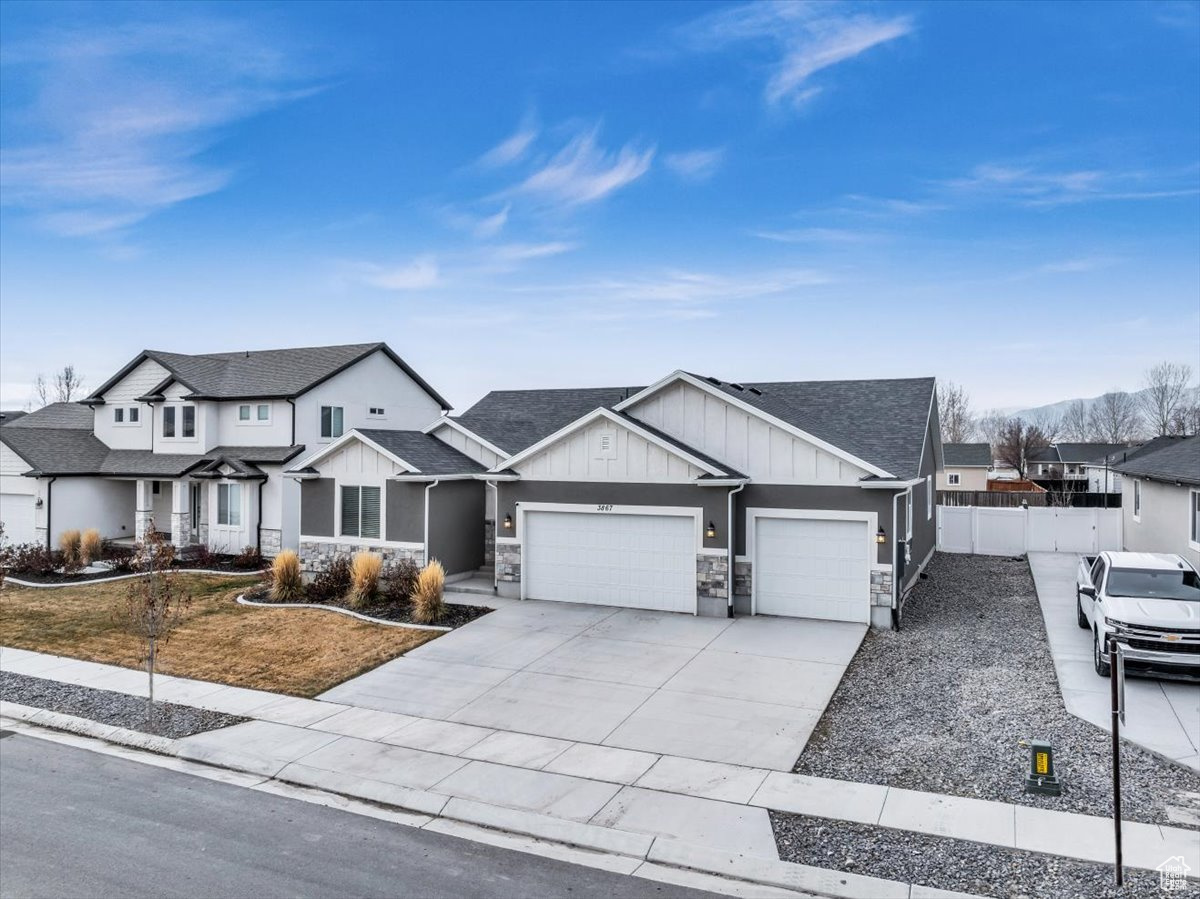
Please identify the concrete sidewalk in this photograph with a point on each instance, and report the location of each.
(613, 799)
(1161, 716)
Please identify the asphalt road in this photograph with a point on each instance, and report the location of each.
(77, 823)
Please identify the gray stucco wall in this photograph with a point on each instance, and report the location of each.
(456, 510)
(924, 526)
(1164, 520)
(767, 496)
(317, 507)
(712, 499)
(405, 512)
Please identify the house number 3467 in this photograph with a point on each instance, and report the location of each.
(604, 507)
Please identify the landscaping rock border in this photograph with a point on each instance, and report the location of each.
(242, 600)
(115, 709)
(104, 579)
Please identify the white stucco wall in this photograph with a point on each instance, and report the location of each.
(970, 478)
(232, 431)
(723, 431)
(1164, 519)
(125, 392)
(99, 503)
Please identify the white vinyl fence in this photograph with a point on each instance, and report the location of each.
(1010, 532)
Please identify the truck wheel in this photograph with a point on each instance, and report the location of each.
(1102, 667)
(1079, 616)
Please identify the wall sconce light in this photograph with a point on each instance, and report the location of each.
(508, 522)
(881, 536)
(710, 531)
(39, 503)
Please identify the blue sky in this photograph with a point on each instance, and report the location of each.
(516, 195)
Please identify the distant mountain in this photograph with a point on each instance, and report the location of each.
(1059, 408)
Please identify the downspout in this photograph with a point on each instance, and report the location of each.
(495, 525)
(895, 566)
(258, 526)
(428, 487)
(291, 402)
(49, 489)
(732, 542)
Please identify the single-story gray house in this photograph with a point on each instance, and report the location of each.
(808, 499)
(1160, 503)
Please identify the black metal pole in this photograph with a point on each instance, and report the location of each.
(1114, 689)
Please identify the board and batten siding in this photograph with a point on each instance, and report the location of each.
(631, 458)
(468, 446)
(744, 441)
(357, 460)
(12, 464)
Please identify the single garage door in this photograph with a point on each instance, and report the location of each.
(812, 568)
(610, 559)
(16, 511)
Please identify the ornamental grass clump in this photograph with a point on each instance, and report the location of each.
(287, 585)
(69, 546)
(91, 546)
(429, 604)
(364, 578)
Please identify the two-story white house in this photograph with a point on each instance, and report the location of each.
(195, 445)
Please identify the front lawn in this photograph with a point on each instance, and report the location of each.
(295, 651)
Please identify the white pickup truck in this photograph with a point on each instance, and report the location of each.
(1151, 602)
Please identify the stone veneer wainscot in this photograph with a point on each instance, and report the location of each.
(316, 556)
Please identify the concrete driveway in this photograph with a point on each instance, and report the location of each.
(746, 691)
(1162, 716)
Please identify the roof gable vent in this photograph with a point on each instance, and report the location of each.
(736, 386)
(712, 380)
(755, 391)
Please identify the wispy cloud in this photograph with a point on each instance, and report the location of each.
(1076, 265)
(512, 148)
(584, 172)
(1031, 185)
(523, 252)
(816, 235)
(807, 37)
(418, 274)
(121, 115)
(695, 165)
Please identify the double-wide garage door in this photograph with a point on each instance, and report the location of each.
(611, 559)
(812, 568)
(16, 511)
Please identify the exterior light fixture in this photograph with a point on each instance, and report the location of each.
(881, 536)
(508, 522)
(710, 531)
(39, 502)
(1041, 777)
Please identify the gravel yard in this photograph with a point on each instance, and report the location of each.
(107, 707)
(941, 705)
(950, 864)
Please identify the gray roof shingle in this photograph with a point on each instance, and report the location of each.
(426, 453)
(968, 455)
(516, 419)
(263, 374)
(56, 415)
(1177, 459)
(7, 416)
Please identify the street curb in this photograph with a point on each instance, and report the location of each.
(125, 577)
(86, 727)
(309, 605)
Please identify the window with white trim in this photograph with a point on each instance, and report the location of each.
(179, 421)
(168, 424)
(360, 512)
(1137, 500)
(189, 421)
(953, 479)
(1194, 524)
(248, 414)
(928, 497)
(244, 412)
(229, 505)
(376, 412)
(134, 415)
(119, 415)
(331, 422)
(263, 413)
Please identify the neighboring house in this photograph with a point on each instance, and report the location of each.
(8, 416)
(967, 466)
(643, 497)
(1161, 502)
(1103, 476)
(195, 445)
(1069, 465)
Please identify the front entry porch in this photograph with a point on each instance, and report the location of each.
(217, 513)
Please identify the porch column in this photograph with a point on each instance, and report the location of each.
(143, 509)
(181, 514)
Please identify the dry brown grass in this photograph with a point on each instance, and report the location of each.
(301, 652)
(90, 546)
(364, 578)
(428, 598)
(287, 585)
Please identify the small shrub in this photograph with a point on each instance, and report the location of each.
(429, 604)
(69, 545)
(399, 582)
(249, 559)
(91, 547)
(364, 578)
(331, 584)
(287, 585)
(201, 556)
(32, 558)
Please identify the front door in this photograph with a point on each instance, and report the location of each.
(228, 518)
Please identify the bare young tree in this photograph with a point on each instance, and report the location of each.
(989, 426)
(41, 390)
(1166, 389)
(1017, 442)
(155, 605)
(1114, 418)
(68, 384)
(1185, 421)
(1076, 425)
(1049, 423)
(954, 413)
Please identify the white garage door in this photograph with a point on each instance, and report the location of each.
(812, 568)
(636, 561)
(16, 511)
